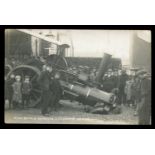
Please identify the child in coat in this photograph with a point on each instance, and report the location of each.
(26, 89)
(17, 95)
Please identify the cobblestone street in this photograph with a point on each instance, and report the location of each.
(70, 113)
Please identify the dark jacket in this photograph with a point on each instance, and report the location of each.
(55, 87)
(26, 88)
(44, 80)
(145, 87)
(9, 88)
(145, 109)
(122, 81)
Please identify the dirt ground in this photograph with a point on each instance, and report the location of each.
(70, 113)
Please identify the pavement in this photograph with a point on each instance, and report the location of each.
(70, 113)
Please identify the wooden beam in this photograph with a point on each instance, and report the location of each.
(40, 36)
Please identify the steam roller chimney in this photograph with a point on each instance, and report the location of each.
(103, 66)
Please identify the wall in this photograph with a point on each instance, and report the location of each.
(17, 43)
(92, 62)
(141, 53)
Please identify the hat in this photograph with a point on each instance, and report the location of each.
(81, 67)
(123, 71)
(18, 77)
(57, 73)
(135, 75)
(141, 72)
(27, 76)
(12, 76)
(109, 70)
(147, 75)
(48, 65)
(134, 69)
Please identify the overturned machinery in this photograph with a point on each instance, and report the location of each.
(75, 86)
(94, 99)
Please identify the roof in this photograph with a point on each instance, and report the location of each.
(42, 37)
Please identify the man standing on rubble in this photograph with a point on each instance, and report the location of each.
(44, 81)
(144, 110)
(56, 90)
(121, 86)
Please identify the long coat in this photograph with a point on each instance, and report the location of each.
(55, 87)
(122, 82)
(145, 107)
(128, 90)
(17, 95)
(9, 89)
(45, 80)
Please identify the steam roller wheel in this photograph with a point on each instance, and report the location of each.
(8, 68)
(59, 64)
(33, 73)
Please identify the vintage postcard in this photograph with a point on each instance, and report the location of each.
(71, 76)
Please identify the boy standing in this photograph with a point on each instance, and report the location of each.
(26, 89)
(17, 95)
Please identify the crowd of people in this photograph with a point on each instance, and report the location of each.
(130, 90)
(17, 90)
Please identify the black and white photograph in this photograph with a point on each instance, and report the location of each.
(78, 76)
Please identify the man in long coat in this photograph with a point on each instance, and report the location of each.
(145, 106)
(121, 86)
(45, 81)
(56, 90)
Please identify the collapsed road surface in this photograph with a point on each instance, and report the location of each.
(70, 113)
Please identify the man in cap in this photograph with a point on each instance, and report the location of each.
(136, 87)
(110, 81)
(121, 86)
(136, 93)
(115, 78)
(44, 81)
(26, 89)
(9, 89)
(56, 90)
(144, 110)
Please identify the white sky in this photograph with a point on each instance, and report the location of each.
(94, 43)
(88, 43)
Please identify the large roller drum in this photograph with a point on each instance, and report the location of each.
(90, 93)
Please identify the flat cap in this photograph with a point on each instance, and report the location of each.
(141, 72)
